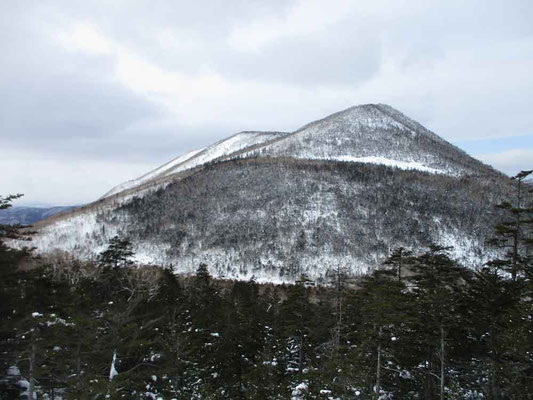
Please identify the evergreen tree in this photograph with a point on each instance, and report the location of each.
(14, 284)
(399, 260)
(491, 312)
(119, 253)
(437, 283)
(514, 232)
(500, 297)
(202, 337)
(382, 324)
(294, 324)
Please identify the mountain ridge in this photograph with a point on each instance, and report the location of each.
(259, 147)
(217, 150)
(295, 203)
(374, 130)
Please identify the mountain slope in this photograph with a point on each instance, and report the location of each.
(375, 133)
(221, 149)
(156, 173)
(274, 205)
(274, 219)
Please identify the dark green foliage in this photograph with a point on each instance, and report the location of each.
(202, 338)
(5, 202)
(11, 231)
(515, 231)
(119, 253)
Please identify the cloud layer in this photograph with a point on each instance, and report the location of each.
(99, 92)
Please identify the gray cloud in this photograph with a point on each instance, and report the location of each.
(510, 162)
(134, 84)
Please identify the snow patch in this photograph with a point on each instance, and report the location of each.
(390, 163)
(13, 371)
(113, 371)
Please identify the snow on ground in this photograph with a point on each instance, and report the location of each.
(112, 370)
(367, 134)
(226, 147)
(79, 233)
(465, 249)
(152, 174)
(201, 156)
(390, 163)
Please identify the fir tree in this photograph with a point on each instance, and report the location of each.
(295, 320)
(490, 315)
(119, 253)
(437, 281)
(383, 313)
(514, 232)
(399, 260)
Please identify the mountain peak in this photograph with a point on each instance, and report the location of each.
(375, 133)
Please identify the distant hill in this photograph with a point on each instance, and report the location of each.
(29, 215)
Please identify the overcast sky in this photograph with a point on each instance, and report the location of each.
(94, 93)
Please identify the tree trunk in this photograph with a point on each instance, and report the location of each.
(494, 389)
(301, 354)
(442, 363)
(339, 311)
(400, 266)
(377, 388)
(494, 384)
(429, 392)
(31, 388)
(78, 363)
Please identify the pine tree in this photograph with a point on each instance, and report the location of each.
(202, 337)
(294, 321)
(241, 337)
(382, 312)
(119, 253)
(514, 232)
(339, 282)
(437, 281)
(399, 260)
(14, 288)
(13, 231)
(504, 312)
(491, 306)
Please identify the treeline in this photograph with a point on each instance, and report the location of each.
(422, 327)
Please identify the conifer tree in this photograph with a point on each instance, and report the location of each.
(399, 260)
(15, 285)
(295, 317)
(119, 253)
(383, 315)
(514, 232)
(491, 310)
(203, 336)
(437, 280)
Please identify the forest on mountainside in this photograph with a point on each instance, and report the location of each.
(422, 326)
(276, 219)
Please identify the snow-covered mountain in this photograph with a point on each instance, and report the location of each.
(374, 133)
(217, 151)
(343, 190)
